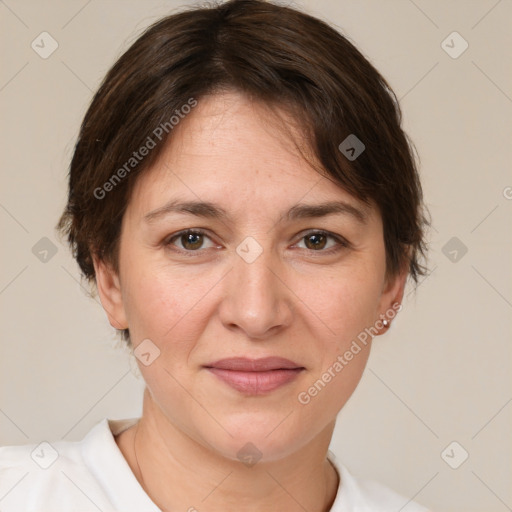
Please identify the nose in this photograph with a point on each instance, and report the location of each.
(256, 299)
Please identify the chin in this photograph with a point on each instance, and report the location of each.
(266, 438)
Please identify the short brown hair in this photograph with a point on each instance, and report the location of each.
(270, 52)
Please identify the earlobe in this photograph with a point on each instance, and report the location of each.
(109, 290)
(391, 300)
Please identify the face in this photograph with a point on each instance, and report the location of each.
(247, 269)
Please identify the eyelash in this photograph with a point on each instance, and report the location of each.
(341, 242)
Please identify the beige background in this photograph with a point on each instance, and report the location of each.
(441, 374)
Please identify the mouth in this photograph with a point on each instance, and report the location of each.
(255, 376)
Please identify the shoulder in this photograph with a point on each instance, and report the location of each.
(50, 475)
(357, 494)
(381, 498)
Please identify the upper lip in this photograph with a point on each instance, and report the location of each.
(244, 364)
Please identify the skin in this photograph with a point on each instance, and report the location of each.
(295, 301)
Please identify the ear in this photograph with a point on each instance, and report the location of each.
(109, 289)
(391, 298)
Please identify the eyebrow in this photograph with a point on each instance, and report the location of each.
(299, 211)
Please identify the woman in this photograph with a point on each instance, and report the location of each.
(245, 201)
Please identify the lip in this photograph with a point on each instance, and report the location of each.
(263, 364)
(255, 376)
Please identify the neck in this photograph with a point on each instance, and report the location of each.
(179, 473)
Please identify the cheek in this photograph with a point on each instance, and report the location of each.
(344, 311)
(343, 304)
(164, 304)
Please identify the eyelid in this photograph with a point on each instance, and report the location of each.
(341, 241)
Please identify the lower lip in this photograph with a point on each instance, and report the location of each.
(256, 383)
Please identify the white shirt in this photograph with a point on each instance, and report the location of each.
(92, 475)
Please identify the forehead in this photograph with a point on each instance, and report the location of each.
(237, 152)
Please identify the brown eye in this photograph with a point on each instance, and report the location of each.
(323, 242)
(315, 241)
(191, 241)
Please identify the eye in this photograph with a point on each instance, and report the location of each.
(191, 240)
(318, 241)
